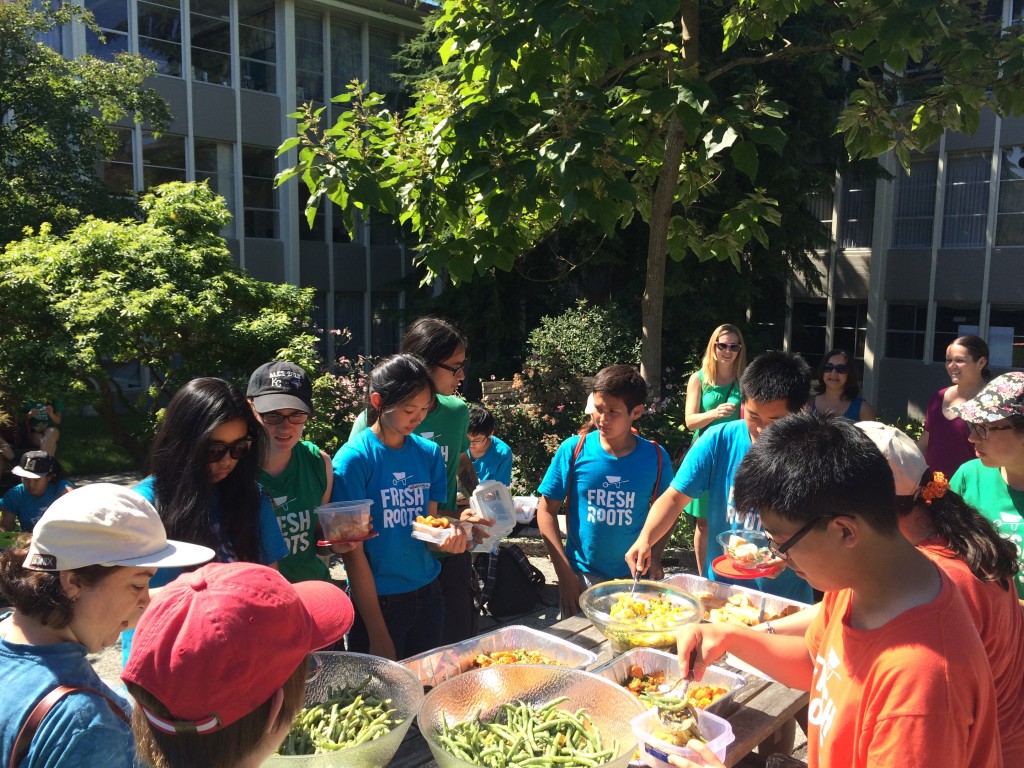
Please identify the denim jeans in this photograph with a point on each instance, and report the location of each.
(414, 621)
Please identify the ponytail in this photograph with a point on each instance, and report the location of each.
(970, 536)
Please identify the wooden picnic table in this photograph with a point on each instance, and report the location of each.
(763, 705)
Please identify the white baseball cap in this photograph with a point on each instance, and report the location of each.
(905, 459)
(106, 524)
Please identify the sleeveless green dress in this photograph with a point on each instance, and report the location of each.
(710, 398)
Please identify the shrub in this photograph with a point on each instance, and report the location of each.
(585, 339)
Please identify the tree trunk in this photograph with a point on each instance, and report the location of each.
(107, 410)
(653, 306)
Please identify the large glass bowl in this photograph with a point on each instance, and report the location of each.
(622, 634)
(388, 680)
(485, 690)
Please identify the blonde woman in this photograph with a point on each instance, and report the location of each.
(713, 392)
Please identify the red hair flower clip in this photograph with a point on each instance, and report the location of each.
(936, 488)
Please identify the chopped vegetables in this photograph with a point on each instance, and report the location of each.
(517, 656)
(349, 717)
(529, 735)
(649, 687)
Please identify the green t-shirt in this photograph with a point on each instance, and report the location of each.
(448, 426)
(296, 493)
(985, 489)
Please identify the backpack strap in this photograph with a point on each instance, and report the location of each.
(572, 463)
(657, 480)
(42, 709)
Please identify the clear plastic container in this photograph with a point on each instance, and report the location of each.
(526, 508)
(434, 535)
(493, 500)
(345, 520)
(654, 752)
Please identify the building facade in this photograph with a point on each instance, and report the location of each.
(232, 71)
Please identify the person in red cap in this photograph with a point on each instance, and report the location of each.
(218, 666)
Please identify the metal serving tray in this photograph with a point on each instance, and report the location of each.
(436, 666)
(768, 605)
(652, 660)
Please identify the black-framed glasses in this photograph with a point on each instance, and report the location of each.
(217, 451)
(273, 418)
(981, 431)
(781, 550)
(837, 367)
(723, 347)
(454, 369)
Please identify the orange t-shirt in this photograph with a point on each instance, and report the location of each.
(916, 692)
(1000, 623)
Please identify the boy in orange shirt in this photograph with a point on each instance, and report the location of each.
(895, 679)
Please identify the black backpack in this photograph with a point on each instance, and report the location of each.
(510, 584)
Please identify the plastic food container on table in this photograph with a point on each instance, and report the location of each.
(764, 606)
(345, 520)
(493, 500)
(654, 751)
(652, 660)
(440, 664)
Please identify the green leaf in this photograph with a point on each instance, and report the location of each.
(744, 157)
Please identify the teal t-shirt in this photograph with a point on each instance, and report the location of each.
(495, 464)
(611, 496)
(710, 467)
(401, 482)
(295, 494)
(28, 508)
(985, 489)
(448, 427)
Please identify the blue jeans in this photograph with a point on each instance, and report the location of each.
(414, 621)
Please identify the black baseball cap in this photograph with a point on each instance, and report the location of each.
(278, 385)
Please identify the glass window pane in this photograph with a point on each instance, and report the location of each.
(117, 172)
(163, 159)
(966, 206)
(258, 194)
(257, 45)
(904, 332)
(915, 205)
(857, 212)
(1006, 327)
(309, 57)
(109, 14)
(949, 323)
(160, 34)
(383, 47)
(1010, 214)
(215, 164)
(346, 56)
(211, 41)
(809, 329)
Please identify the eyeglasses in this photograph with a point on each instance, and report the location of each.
(478, 439)
(454, 369)
(217, 451)
(781, 550)
(837, 367)
(981, 431)
(273, 418)
(721, 346)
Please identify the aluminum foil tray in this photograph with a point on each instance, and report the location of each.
(767, 606)
(436, 666)
(652, 660)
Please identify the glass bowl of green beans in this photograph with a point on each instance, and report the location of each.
(516, 713)
(358, 709)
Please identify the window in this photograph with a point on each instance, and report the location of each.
(820, 206)
(809, 327)
(348, 314)
(1006, 336)
(384, 231)
(211, 41)
(112, 19)
(309, 57)
(163, 159)
(850, 327)
(383, 47)
(117, 172)
(160, 34)
(904, 331)
(346, 59)
(949, 323)
(258, 194)
(963, 220)
(1010, 214)
(857, 213)
(215, 164)
(915, 205)
(385, 325)
(257, 46)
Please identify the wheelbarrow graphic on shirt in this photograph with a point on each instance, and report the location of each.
(615, 480)
(400, 477)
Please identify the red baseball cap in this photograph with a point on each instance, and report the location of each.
(215, 644)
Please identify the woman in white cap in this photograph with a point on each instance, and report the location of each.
(994, 482)
(80, 581)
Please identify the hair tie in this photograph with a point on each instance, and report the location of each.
(935, 488)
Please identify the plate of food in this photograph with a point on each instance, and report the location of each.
(747, 556)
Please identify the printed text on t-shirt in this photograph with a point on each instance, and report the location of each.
(610, 507)
(401, 504)
(822, 708)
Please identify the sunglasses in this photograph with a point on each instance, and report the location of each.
(981, 431)
(837, 367)
(454, 369)
(781, 550)
(728, 347)
(217, 451)
(273, 418)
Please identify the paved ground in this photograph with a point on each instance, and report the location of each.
(108, 663)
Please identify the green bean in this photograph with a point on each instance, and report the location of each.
(350, 716)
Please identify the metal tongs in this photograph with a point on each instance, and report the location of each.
(677, 715)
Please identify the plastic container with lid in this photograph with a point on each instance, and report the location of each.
(493, 500)
(654, 752)
(345, 521)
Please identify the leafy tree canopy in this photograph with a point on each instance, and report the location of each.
(56, 118)
(161, 293)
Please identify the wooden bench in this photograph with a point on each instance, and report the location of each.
(504, 391)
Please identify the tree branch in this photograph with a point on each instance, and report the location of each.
(789, 52)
